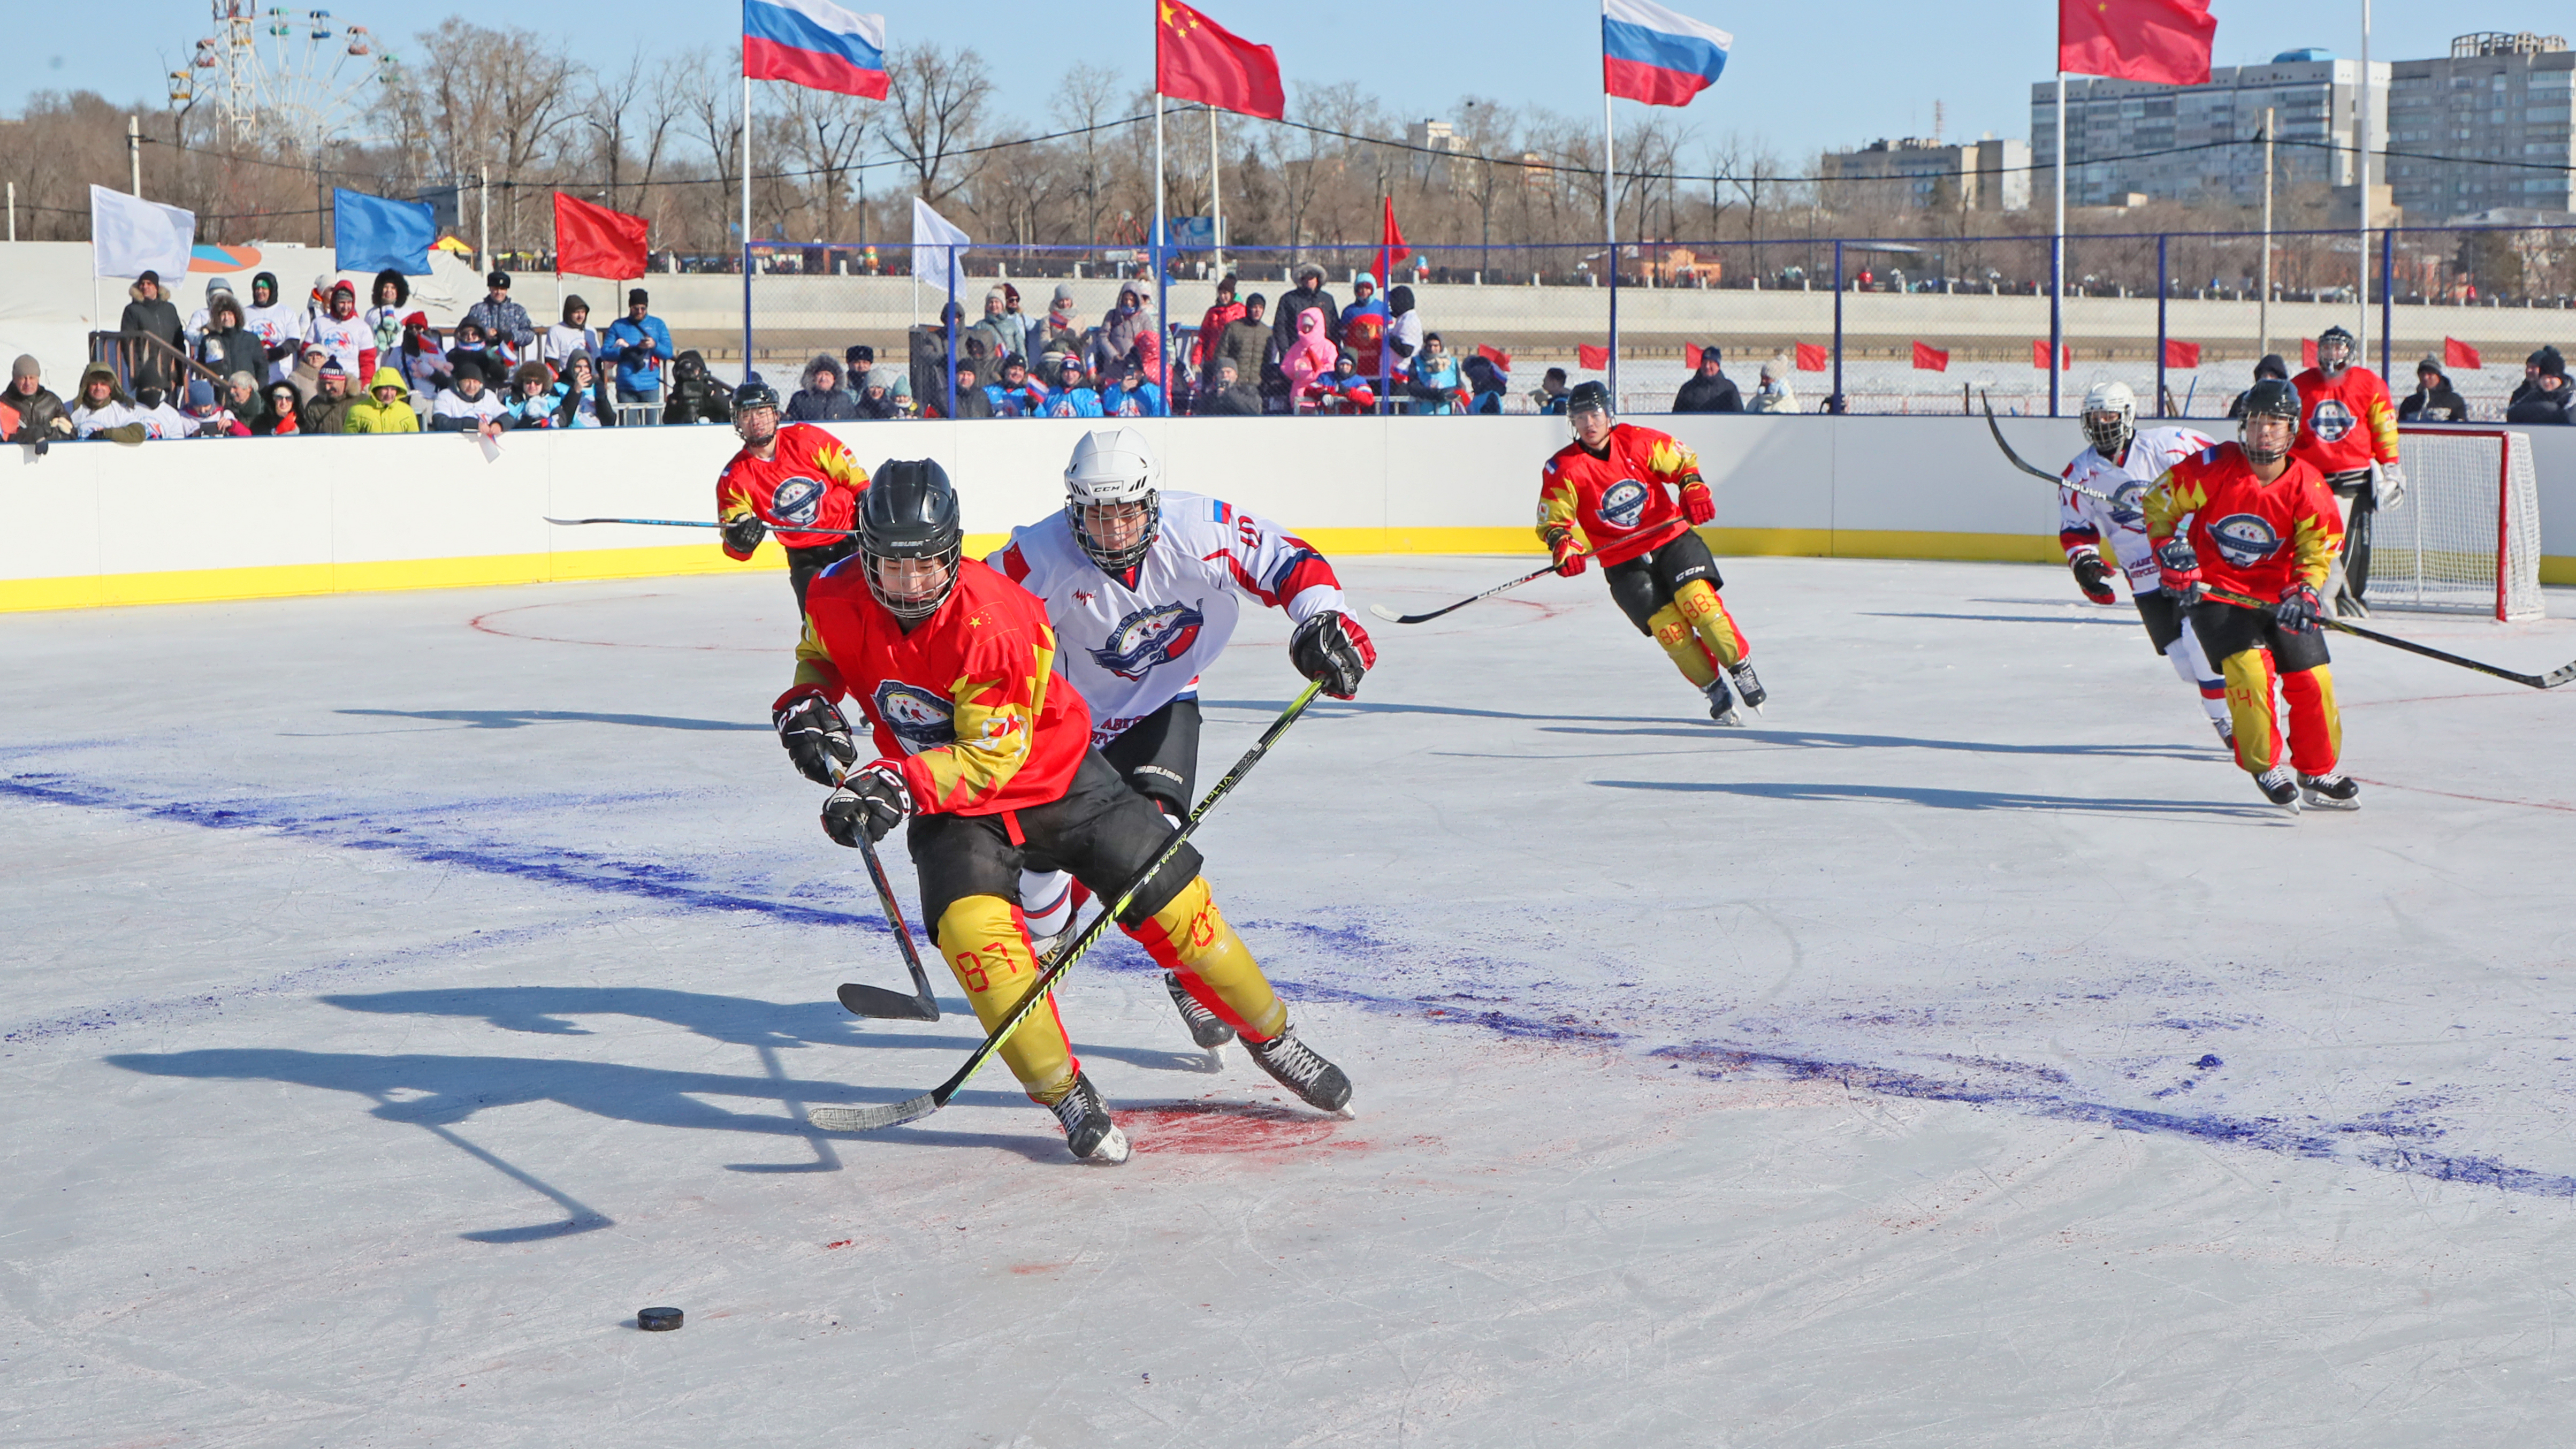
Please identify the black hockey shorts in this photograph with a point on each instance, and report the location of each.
(1158, 756)
(2227, 630)
(804, 563)
(1644, 584)
(2163, 618)
(2356, 531)
(1098, 829)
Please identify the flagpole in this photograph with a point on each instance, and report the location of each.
(2057, 260)
(1216, 197)
(2361, 192)
(1162, 311)
(1610, 231)
(746, 205)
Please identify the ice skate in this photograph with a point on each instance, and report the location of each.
(1206, 1027)
(1298, 1067)
(1721, 704)
(2226, 733)
(1088, 1130)
(2280, 785)
(1748, 686)
(2331, 792)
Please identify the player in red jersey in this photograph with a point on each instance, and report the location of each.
(2251, 519)
(1608, 496)
(986, 750)
(790, 479)
(2350, 437)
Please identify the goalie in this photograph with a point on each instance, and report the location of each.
(2350, 437)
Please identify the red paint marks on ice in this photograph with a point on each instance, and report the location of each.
(1027, 1268)
(845, 1242)
(1215, 1127)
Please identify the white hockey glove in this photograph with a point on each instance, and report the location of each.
(2387, 486)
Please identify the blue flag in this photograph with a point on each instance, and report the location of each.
(375, 233)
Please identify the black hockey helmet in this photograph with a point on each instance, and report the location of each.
(2269, 397)
(754, 394)
(2335, 349)
(1588, 395)
(909, 512)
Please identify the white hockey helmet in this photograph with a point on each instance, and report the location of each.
(2110, 417)
(1112, 467)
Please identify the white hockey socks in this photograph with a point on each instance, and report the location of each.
(1046, 901)
(2185, 655)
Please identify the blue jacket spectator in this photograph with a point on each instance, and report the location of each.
(1125, 395)
(641, 344)
(820, 398)
(1017, 395)
(1071, 399)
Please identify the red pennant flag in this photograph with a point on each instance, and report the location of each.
(1495, 355)
(593, 241)
(2179, 353)
(2307, 352)
(2039, 356)
(1931, 359)
(1595, 358)
(1812, 358)
(2163, 41)
(1196, 59)
(1391, 250)
(2456, 353)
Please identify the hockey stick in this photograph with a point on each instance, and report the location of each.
(2551, 680)
(860, 999)
(2023, 464)
(868, 1119)
(1392, 617)
(693, 523)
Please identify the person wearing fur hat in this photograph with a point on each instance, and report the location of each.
(41, 415)
(532, 401)
(384, 319)
(385, 409)
(103, 409)
(226, 346)
(820, 398)
(150, 315)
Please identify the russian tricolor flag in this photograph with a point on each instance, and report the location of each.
(814, 43)
(1650, 54)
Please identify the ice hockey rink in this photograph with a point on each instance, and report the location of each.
(402, 990)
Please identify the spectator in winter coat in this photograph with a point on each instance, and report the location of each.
(1245, 342)
(340, 332)
(820, 398)
(328, 411)
(103, 409)
(226, 346)
(384, 319)
(1224, 313)
(1072, 398)
(384, 408)
(1774, 395)
(160, 420)
(41, 415)
(2433, 400)
(241, 406)
(971, 399)
(929, 359)
(1486, 384)
(1403, 333)
(419, 358)
(203, 317)
(2271, 366)
(306, 376)
(1059, 332)
(2546, 405)
(581, 396)
(150, 314)
(469, 407)
(1709, 390)
(282, 418)
(1549, 396)
(1349, 392)
(696, 396)
(1310, 293)
(857, 362)
(1226, 396)
(504, 322)
(572, 334)
(1017, 395)
(2531, 374)
(877, 400)
(641, 344)
(1121, 325)
(1003, 331)
(1124, 393)
(1310, 357)
(532, 402)
(1438, 386)
(1364, 325)
(279, 327)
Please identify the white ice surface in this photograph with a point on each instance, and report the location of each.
(400, 991)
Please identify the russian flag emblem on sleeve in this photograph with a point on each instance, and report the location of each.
(816, 44)
(1651, 54)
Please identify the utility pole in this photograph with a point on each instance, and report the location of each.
(2263, 306)
(134, 150)
(483, 222)
(2361, 190)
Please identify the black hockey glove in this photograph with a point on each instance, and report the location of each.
(2094, 579)
(2299, 611)
(815, 734)
(744, 534)
(1332, 647)
(873, 800)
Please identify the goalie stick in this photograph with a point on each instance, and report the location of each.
(2023, 464)
(2551, 680)
(1392, 617)
(860, 999)
(693, 523)
(868, 1119)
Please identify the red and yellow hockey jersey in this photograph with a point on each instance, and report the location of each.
(2345, 424)
(1621, 504)
(2252, 537)
(968, 701)
(809, 479)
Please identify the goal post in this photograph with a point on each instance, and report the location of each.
(2467, 537)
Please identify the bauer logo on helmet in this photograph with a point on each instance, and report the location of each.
(2245, 539)
(1623, 503)
(1150, 637)
(921, 719)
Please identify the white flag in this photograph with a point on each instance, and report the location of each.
(935, 240)
(130, 236)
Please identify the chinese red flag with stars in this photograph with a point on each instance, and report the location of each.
(2161, 41)
(1196, 59)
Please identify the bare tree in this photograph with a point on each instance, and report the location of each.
(828, 134)
(1084, 100)
(935, 104)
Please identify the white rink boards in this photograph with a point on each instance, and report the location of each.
(403, 990)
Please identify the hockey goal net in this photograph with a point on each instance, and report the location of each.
(2467, 536)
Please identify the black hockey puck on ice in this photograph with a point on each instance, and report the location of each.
(657, 1320)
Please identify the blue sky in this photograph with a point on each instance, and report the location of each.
(1802, 78)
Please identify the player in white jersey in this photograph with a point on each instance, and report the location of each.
(1144, 588)
(2122, 460)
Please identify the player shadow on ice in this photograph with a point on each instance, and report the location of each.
(2125, 618)
(1818, 739)
(512, 719)
(1941, 799)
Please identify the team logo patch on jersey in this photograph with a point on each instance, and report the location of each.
(921, 719)
(1149, 637)
(2245, 539)
(2330, 421)
(2128, 502)
(1623, 503)
(797, 500)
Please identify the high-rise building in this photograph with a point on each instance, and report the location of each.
(2496, 98)
(2173, 143)
(1988, 175)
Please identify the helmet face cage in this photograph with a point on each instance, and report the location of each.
(909, 514)
(2270, 398)
(920, 604)
(1116, 560)
(2110, 419)
(1113, 468)
(1588, 397)
(2334, 350)
(751, 398)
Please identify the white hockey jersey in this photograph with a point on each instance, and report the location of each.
(2084, 523)
(1133, 647)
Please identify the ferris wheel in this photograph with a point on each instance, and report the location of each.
(283, 77)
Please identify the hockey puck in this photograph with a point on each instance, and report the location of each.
(657, 1320)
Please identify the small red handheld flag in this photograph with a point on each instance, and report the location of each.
(2163, 41)
(2039, 356)
(2307, 352)
(2456, 353)
(1931, 359)
(1391, 250)
(593, 241)
(1595, 358)
(1495, 355)
(2179, 353)
(1196, 59)
(1812, 357)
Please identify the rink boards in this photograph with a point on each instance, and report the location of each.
(262, 518)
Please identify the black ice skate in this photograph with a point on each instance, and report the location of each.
(1721, 703)
(1206, 1027)
(1748, 685)
(2331, 792)
(2226, 733)
(1088, 1129)
(2280, 785)
(1296, 1066)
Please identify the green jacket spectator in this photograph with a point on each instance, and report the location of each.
(386, 408)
